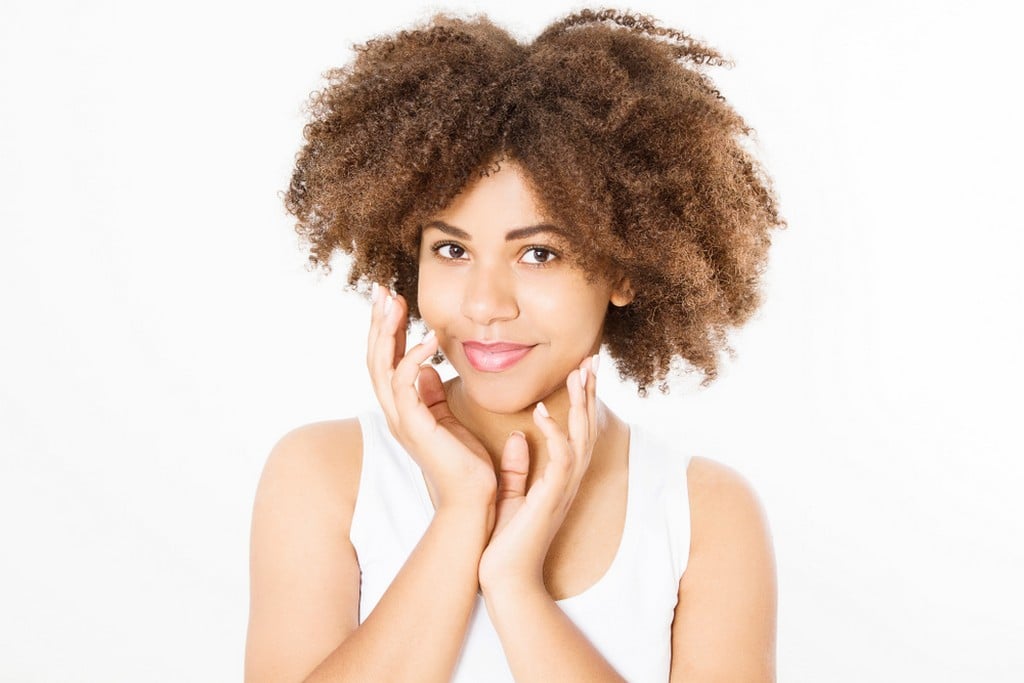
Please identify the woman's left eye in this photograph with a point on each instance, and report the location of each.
(541, 255)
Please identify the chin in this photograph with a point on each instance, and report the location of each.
(500, 395)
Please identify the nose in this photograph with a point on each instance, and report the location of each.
(489, 296)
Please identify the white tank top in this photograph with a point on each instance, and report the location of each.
(627, 614)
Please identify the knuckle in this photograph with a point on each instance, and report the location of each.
(564, 463)
(447, 421)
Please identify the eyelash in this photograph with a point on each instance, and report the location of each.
(552, 255)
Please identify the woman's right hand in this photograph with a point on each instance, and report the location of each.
(457, 467)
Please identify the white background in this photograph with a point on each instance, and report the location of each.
(160, 332)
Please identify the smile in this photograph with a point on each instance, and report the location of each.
(494, 358)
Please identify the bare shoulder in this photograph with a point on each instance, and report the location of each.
(723, 506)
(303, 571)
(724, 627)
(319, 459)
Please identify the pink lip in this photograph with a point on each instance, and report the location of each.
(494, 357)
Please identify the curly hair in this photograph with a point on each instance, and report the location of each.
(623, 138)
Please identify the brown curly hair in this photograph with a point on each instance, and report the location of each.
(623, 138)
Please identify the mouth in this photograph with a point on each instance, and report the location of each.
(494, 357)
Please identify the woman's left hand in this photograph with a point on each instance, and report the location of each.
(526, 522)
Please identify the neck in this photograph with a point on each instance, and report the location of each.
(493, 429)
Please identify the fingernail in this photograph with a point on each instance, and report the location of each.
(542, 409)
(374, 292)
(428, 337)
(516, 431)
(595, 363)
(583, 377)
(387, 304)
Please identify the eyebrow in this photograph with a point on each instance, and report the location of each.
(511, 235)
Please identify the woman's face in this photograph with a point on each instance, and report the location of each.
(511, 314)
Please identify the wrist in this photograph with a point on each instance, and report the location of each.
(472, 501)
(513, 590)
(472, 521)
(511, 603)
(469, 494)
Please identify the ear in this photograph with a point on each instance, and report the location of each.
(622, 293)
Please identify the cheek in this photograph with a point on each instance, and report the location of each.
(578, 307)
(435, 303)
(427, 292)
(430, 312)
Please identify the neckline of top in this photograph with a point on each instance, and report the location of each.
(420, 484)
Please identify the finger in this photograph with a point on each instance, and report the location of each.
(553, 492)
(385, 341)
(579, 429)
(557, 473)
(389, 342)
(431, 391)
(378, 321)
(379, 347)
(371, 334)
(515, 466)
(398, 315)
(513, 470)
(403, 384)
(431, 388)
(588, 378)
(592, 367)
(403, 379)
(587, 417)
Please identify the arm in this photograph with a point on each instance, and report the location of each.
(724, 626)
(305, 576)
(416, 631)
(541, 642)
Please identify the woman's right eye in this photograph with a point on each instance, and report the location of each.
(454, 251)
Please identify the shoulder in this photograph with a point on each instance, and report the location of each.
(728, 524)
(318, 440)
(307, 490)
(320, 460)
(724, 626)
(722, 503)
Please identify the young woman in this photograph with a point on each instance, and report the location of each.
(530, 204)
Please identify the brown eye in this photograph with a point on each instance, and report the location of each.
(455, 252)
(540, 256)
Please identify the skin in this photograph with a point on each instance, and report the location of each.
(529, 506)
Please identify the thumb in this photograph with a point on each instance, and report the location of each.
(515, 465)
(431, 390)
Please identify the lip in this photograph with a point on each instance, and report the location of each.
(494, 357)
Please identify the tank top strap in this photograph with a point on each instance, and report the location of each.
(659, 493)
(628, 613)
(400, 460)
(390, 502)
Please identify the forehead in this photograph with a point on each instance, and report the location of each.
(499, 201)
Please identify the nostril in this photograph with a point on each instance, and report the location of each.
(488, 299)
